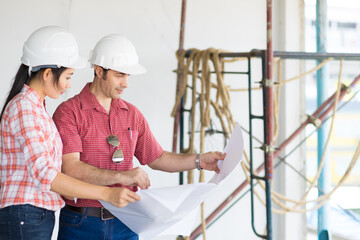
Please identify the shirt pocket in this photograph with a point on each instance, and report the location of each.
(128, 140)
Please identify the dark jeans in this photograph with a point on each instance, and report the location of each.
(22, 222)
(80, 226)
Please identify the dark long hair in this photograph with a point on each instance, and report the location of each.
(22, 77)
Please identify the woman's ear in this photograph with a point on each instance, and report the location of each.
(47, 75)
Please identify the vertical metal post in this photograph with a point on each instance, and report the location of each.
(251, 118)
(322, 79)
(269, 118)
(253, 175)
(180, 77)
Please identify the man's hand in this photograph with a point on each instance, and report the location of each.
(209, 160)
(135, 177)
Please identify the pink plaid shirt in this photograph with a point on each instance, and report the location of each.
(84, 126)
(30, 151)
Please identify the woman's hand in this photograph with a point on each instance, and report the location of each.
(120, 197)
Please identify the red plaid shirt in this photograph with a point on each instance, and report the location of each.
(30, 151)
(84, 126)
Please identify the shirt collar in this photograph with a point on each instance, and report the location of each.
(89, 101)
(32, 95)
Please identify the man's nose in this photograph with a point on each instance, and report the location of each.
(124, 83)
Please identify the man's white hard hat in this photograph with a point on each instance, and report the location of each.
(117, 53)
(52, 45)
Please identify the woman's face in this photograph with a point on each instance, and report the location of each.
(55, 90)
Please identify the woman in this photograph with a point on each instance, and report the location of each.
(30, 145)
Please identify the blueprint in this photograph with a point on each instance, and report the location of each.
(172, 210)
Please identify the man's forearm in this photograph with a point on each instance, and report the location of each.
(172, 162)
(91, 174)
(72, 166)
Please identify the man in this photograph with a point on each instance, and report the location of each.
(101, 133)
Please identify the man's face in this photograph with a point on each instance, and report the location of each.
(114, 83)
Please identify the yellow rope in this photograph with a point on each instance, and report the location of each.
(202, 87)
(277, 102)
(327, 142)
(310, 71)
(291, 79)
(322, 200)
(329, 136)
(210, 58)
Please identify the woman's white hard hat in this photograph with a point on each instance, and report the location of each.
(52, 45)
(117, 53)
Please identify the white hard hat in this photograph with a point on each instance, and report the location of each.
(52, 45)
(117, 53)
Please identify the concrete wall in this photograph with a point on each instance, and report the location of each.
(153, 26)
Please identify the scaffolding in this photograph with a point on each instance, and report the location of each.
(270, 152)
(321, 113)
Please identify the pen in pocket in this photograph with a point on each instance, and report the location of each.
(130, 132)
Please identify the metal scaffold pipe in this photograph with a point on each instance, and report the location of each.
(178, 118)
(322, 82)
(320, 113)
(269, 118)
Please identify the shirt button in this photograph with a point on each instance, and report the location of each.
(21, 223)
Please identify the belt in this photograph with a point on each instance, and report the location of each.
(91, 211)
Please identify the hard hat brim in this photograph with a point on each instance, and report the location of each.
(131, 69)
(80, 62)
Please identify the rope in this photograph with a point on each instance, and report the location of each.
(323, 198)
(277, 101)
(282, 161)
(329, 135)
(319, 66)
(310, 71)
(203, 88)
(277, 196)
